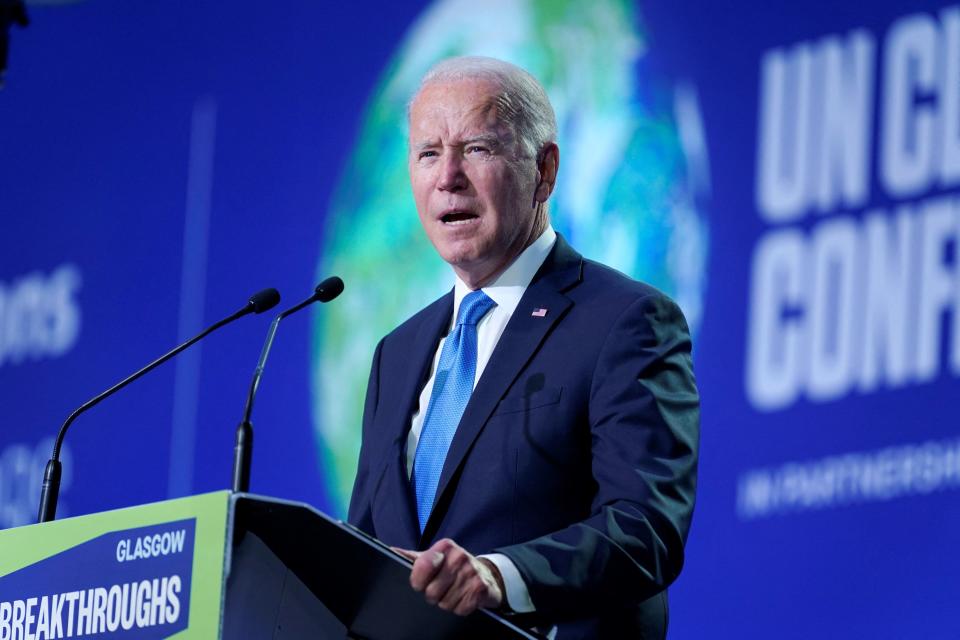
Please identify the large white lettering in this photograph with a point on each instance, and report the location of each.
(907, 160)
(833, 309)
(844, 296)
(816, 110)
(39, 315)
(830, 307)
(888, 246)
(775, 340)
(129, 606)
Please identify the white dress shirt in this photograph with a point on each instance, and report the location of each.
(506, 291)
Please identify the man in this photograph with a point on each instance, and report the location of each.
(543, 413)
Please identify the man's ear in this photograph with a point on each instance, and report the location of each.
(548, 163)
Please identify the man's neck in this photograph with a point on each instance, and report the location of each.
(477, 281)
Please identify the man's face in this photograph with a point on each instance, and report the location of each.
(473, 189)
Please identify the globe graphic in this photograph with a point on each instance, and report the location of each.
(631, 193)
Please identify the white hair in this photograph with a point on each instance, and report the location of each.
(523, 101)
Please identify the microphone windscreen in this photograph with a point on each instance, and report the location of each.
(328, 289)
(263, 300)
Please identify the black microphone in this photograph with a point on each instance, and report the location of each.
(50, 492)
(243, 446)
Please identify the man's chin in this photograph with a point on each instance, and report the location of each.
(472, 269)
(460, 255)
(465, 268)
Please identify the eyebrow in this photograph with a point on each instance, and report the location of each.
(420, 146)
(490, 139)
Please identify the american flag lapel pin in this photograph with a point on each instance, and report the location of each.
(539, 312)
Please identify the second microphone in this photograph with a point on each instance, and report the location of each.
(243, 447)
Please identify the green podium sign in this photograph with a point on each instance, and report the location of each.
(153, 571)
(219, 565)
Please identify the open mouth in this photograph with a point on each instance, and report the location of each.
(458, 217)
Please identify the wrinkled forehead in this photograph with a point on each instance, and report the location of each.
(462, 106)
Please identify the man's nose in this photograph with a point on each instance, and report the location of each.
(452, 176)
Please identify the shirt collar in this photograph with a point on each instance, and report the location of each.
(507, 289)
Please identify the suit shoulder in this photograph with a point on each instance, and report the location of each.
(616, 286)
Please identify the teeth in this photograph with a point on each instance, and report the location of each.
(458, 217)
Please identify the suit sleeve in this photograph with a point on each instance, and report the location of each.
(359, 513)
(644, 423)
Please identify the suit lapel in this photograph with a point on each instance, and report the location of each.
(397, 485)
(519, 342)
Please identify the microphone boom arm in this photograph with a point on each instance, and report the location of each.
(50, 490)
(243, 444)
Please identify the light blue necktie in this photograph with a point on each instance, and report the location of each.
(452, 387)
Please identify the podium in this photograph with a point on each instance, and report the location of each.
(218, 565)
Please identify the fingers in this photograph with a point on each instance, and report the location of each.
(453, 579)
(406, 553)
(444, 584)
(452, 583)
(428, 564)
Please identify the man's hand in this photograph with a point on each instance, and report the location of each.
(453, 579)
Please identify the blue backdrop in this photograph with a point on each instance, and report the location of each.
(788, 171)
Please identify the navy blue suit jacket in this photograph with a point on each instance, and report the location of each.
(576, 454)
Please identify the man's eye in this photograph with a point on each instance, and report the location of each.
(427, 154)
(475, 148)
